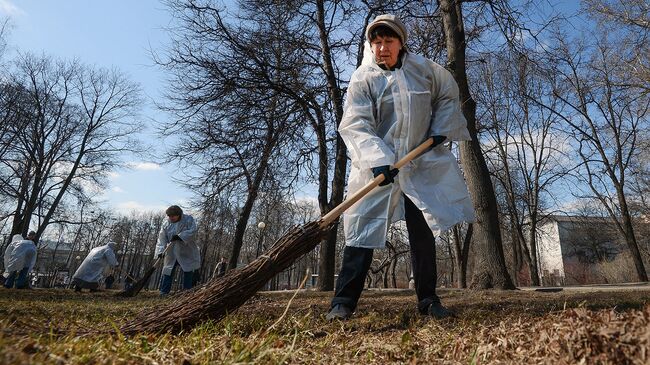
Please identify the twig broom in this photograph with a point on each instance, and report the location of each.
(138, 285)
(221, 296)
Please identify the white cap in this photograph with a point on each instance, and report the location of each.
(392, 22)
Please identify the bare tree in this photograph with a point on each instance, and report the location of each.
(234, 129)
(5, 25)
(631, 12)
(527, 156)
(76, 122)
(606, 117)
(629, 21)
(640, 181)
(461, 245)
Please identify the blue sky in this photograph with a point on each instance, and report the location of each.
(116, 33)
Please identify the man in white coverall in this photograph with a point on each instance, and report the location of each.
(395, 101)
(91, 270)
(19, 260)
(179, 231)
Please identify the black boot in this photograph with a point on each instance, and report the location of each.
(438, 311)
(339, 311)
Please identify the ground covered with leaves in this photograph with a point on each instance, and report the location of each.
(567, 327)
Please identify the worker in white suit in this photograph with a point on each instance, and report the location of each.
(19, 260)
(91, 271)
(177, 241)
(395, 101)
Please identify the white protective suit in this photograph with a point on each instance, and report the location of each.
(388, 114)
(93, 266)
(20, 253)
(187, 252)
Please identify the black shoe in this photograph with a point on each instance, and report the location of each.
(77, 289)
(339, 311)
(438, 311)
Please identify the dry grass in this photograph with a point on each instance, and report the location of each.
(42, 326)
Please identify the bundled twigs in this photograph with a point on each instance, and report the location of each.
(220, 296)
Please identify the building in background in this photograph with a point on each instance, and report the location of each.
(55, 264)
(576, 250)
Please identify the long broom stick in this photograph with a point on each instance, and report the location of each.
(138, 285)
(221, 296)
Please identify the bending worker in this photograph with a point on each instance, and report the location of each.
(91, 270)
(179, 233)
(395, 101)
(19, 260)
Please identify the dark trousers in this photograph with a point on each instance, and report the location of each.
(83, 284)
(166, 281)
(17, 277)
(357, 260)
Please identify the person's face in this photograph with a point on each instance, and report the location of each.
(31, 237)
(386, 50)
(174, 218)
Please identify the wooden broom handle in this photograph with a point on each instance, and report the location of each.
(158, 259)
(335, 213)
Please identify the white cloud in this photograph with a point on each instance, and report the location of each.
(144, 166)
(113, 175)
(130, 206)
(8, 8)
(117, 189)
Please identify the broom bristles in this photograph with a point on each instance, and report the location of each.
(224, 295)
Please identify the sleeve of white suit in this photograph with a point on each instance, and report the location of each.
(110, 257)
(30, 259)
(162, 239)
(358, 127)
(447, 118)
(8, 252)
(188, 234)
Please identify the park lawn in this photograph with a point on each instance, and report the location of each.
(60, 327)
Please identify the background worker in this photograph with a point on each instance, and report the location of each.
(92, 269)
(179, 233)
(220, 269)
(20, 257)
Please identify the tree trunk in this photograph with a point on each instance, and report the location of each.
(452, 268)
(253, 190)
(516, 251)
(532, 239)
(630, 237)
(490, 270)
(328, 246)
(16, 226)
(393, 276)
(461, 253)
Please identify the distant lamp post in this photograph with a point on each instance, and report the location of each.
(77, 263)
(260, 241)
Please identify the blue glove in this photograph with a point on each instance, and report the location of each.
(387, 172)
